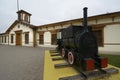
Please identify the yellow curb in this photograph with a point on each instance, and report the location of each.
(51, 73)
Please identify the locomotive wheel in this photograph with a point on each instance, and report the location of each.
(63, 52)
(70, 58)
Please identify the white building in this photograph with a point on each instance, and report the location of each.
(22, 33)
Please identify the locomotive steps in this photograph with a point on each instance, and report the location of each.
(57, 68)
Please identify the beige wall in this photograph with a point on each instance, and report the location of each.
(4, 43)
(111, 33)
(0, 39)
(58, 27)
(47, 38)
(24, 29)
(65, 25)
(111, 38)
(105, 20)
(92, 22)
(117, 19)
(77, 23)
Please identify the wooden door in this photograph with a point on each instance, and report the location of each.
(41, 39)
(54, 39)
(18, 39)
(99, 37)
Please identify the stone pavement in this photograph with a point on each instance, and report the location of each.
(21, 63)
(24, 63)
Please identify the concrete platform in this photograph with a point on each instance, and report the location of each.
(53, 73)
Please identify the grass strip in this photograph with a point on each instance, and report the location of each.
(113, 59)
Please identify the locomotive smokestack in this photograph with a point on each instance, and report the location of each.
(85, 17)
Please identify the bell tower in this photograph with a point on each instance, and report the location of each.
(24, 16)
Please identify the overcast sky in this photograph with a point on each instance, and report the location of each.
(51, 11)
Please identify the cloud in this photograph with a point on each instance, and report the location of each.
(50, 11)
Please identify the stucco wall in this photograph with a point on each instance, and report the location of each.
(77, 23)
(117, 18)
(47, 38)
(0, 39)
(92, 22)
(58, 27)
(24, 28)
(50, 28)
(66, 25)
(111, 38)
(105, 20)
(4, 43)
(111, 33)
(37, 39)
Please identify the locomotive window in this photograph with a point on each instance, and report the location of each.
(41, 39)
(99, 37)
(54, 39)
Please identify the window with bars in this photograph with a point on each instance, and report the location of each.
(2, 39)
(41, 39)
(26, 17)
(26, 38)
(5, 39)
(12, 38)
(54, 39)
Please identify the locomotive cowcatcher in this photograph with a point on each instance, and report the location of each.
(78, 45)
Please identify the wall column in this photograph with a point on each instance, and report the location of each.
(34, 37)
(8, 39)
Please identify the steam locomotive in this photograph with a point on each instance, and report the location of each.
(78, 45)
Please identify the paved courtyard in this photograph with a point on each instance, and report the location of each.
(21, 63)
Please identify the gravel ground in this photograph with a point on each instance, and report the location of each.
(21, 63)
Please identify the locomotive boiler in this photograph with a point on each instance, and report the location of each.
(78, 45)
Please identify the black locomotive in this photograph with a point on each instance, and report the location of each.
(79, 46)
